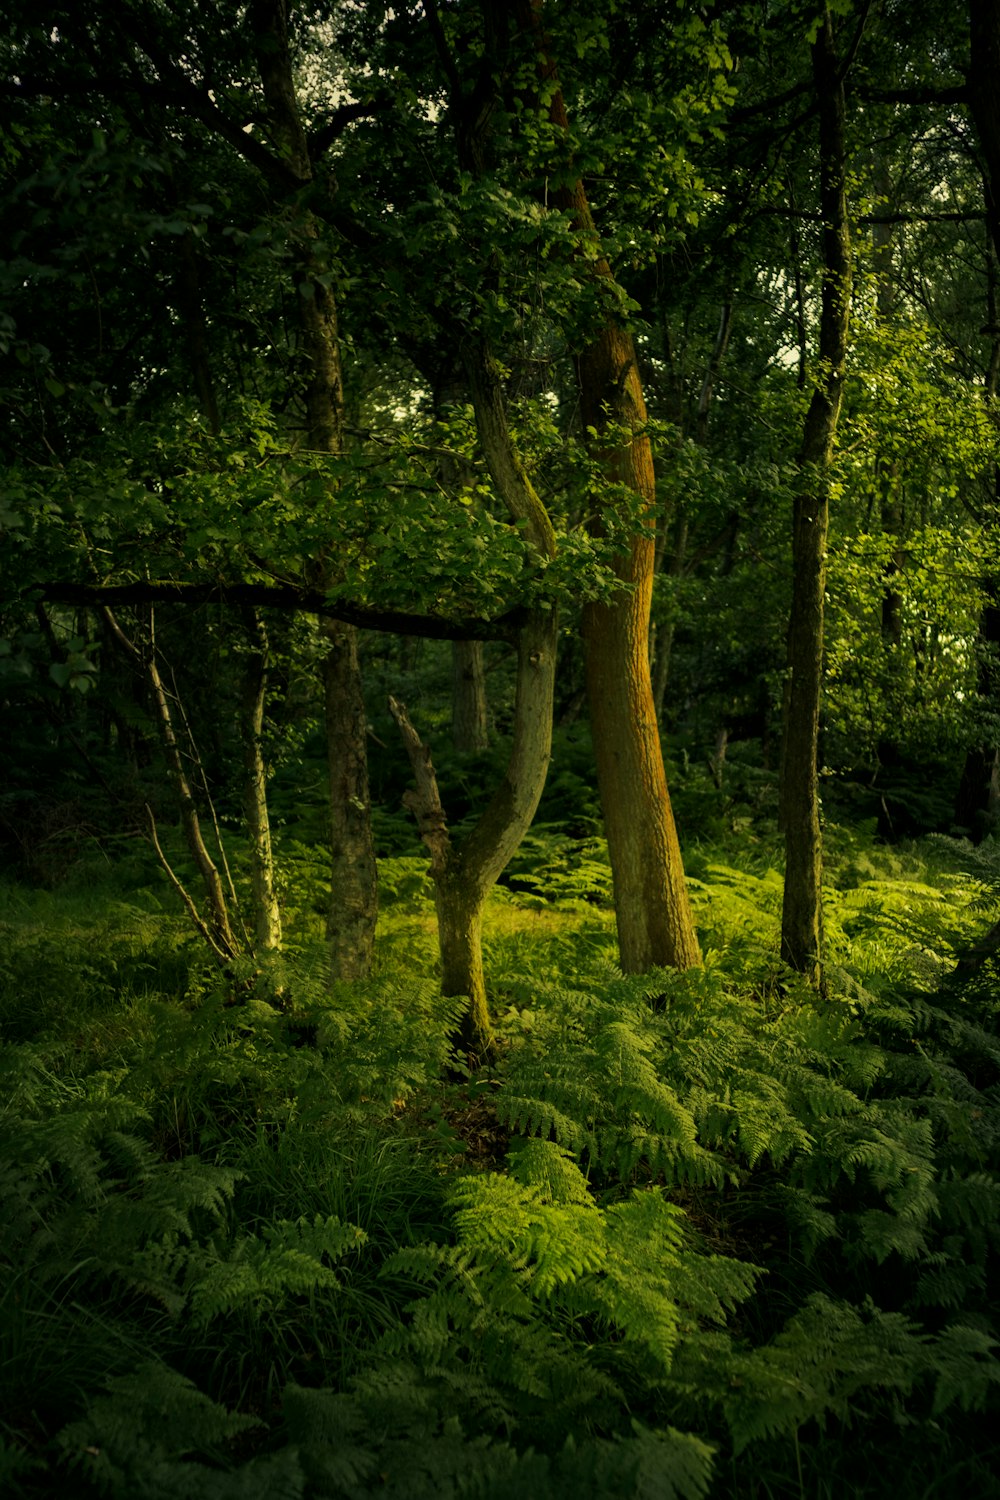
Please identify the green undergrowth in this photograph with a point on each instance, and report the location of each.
(694, 1235)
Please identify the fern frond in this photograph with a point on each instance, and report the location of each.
(823, 1358)
(636, 1292)
(289, 1259)
(963, 1364)
(549, 1168)
(498, 1216)
(145, 1420)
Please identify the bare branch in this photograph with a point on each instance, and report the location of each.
(223, 957)
(424, 803)
(284, 596)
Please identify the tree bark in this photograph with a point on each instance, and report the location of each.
(353, 876)
(469, 717)
(354, 880)
(465, 873)
(802, 909)
(977, 802)
(267, 913)
(652, 909)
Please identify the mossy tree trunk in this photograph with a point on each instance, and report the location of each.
(802, 908)
(653, 912)
(464, 873)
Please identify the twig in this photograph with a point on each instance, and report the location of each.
(194, 755)
(224, 958)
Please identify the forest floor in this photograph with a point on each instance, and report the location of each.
(692, 1234)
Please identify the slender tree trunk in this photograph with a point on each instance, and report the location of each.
(351, 920)
(469, 717)
(216, 928)
(802, 910)
(190, 304)
(353, 877)
(977, 801)
(712, 372)
(978, 798)
(267, 913)
(469, 711)
(661, 641)
(653, 912)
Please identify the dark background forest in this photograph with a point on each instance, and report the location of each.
(499, 781)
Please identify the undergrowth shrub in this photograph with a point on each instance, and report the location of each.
(722, 1239)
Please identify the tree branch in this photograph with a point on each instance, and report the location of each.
(223, 957)
(344, 115)
(286, 597)
(425, 802)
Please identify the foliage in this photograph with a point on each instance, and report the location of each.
(254, 1253)
(694, 1234)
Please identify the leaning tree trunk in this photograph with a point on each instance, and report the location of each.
(465, 873)
(802, 909)
(215, 926)
(653, 912)
(353, 879)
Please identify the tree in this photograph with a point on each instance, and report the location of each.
(652, 910)
(802, 909)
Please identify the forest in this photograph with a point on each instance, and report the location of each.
(500, 754)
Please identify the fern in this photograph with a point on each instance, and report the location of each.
(130, 1439)
(831, 1353)
(288, 1260)
(558, 1241)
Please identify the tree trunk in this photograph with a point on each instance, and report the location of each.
(353, 879)
(653, 913)
(464, 874)
(354, 875)
(802, 910)
(469, 719)
(977, 801)
(267, 913)
(216, 928)
(460, 940)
